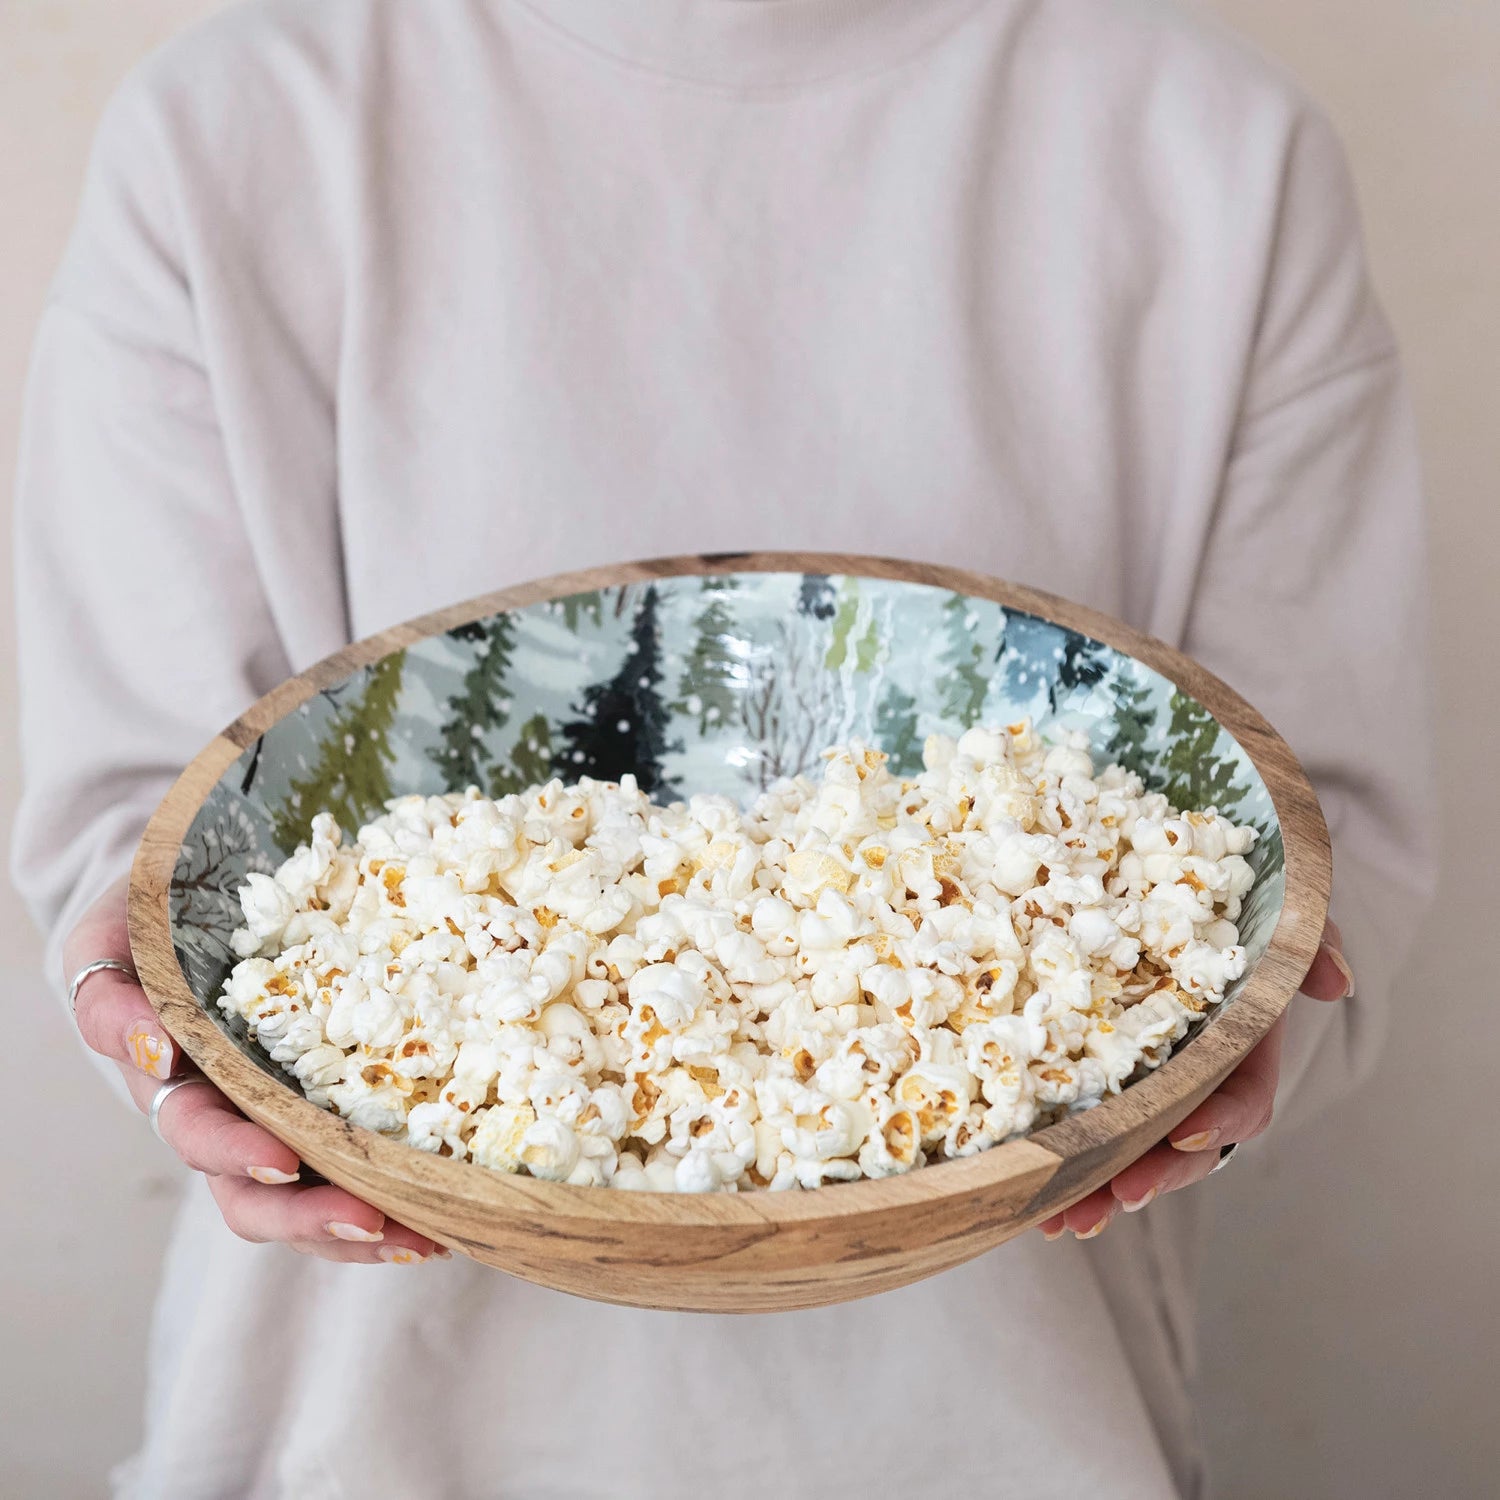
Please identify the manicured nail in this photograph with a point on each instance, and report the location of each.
(399, 1255)
(149, 1052)
(1054, 1234)
(1200, 1142)
(1140, 1203)
(1342, 965)
(1098, 1228)
(355, 1233)
(271, 1176)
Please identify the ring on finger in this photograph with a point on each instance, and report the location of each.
(153, 1110)
(1226, 1155)
(98, 966)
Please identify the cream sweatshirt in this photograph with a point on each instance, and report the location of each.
(373, 305)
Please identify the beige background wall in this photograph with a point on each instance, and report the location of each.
(1351, 1327)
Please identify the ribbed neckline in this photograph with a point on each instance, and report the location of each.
(754, 43)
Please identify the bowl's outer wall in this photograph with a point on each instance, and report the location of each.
(702, 680)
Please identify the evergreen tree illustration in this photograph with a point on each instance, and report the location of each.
(479, 707)
(576, 607)
(845, 613)
(1196, 777)
(896, 731)
(1084, 662)
(816, 597)
(964, 684)
(530, 761)
(622, 723)
(706, 688)
(1135, 717)
(351, 778)
(1030, 658)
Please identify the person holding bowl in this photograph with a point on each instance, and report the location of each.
(370, 307)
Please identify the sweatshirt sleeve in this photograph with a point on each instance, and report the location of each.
(143, 624)
(1313, 598)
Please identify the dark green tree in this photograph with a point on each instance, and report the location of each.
(530, 759)
(1196, 777)
(1083, 663)
(1134, 720)
(964, 682)
(896, 731)
(622, 723)
(712, 668)
(815, 598)
(480, 705)
(351, 778)
(1029, 657)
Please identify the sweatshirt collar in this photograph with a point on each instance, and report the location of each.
(754, 44)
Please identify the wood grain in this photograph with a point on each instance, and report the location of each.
(745, 1252)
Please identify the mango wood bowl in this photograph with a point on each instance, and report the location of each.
(753, 662)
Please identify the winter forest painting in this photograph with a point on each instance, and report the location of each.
(697, 683)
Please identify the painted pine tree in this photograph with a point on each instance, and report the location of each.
(816, 597)
(1032, 649)
(351, 777)
(1083, 663)
(706, 688)
(1135, 718)
(480, 706)
(1196, 777)
(964, 682)
(896, 731)
(846, 636)
(622, 722)
(530, 760)
(578, 607)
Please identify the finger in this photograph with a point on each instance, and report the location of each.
(310, 1216)
(117, 1021)
(1241, 1107)
(1329, 977)
(212, 1136)
(1160, 1170)
(365, 1255)
(1090, 1216)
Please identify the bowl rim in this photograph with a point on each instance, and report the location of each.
(334, 1146)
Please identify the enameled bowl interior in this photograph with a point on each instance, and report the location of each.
(695, 683)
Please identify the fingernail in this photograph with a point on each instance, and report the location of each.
(355, 1233)
(399, 1255)
(1054, 1234)
(271, 1176)
(1098, 1228)
(1342, 965)
(1140, 1203)
(150, 1053)
(1199, 1142)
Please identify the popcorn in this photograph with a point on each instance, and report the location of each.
(851, 978)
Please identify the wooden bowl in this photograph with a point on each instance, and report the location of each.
(880, 648)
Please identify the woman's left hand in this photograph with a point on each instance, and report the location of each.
(1238, 1110)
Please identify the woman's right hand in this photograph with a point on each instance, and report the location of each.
(251, 1174)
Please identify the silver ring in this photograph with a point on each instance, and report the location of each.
(98, 965)
(153, 1110)
(1226, 1155)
